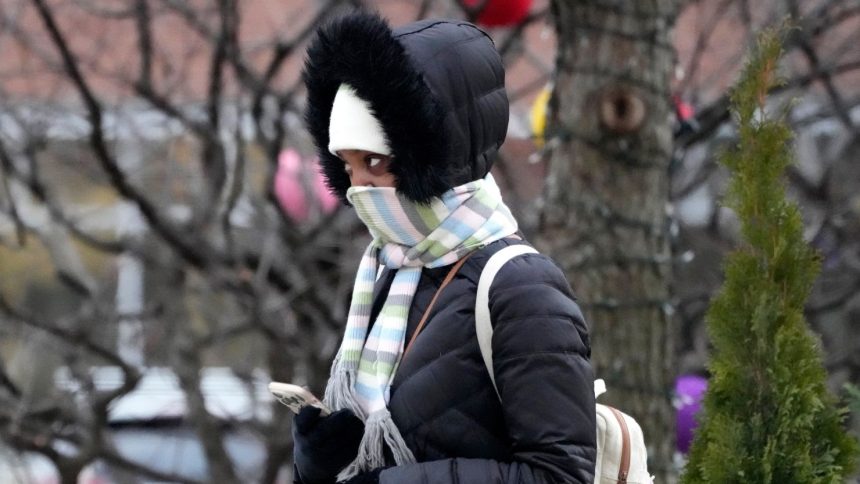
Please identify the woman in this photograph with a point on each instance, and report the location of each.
(407, 122)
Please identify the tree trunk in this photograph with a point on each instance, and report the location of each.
(604, 218)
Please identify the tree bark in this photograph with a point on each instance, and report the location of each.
(605, 213)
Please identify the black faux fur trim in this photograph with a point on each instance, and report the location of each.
(360, 50)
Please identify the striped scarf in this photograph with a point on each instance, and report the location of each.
(406, 236)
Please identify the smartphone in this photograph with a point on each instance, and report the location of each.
(296, 397)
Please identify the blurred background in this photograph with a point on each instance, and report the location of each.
(167, 246)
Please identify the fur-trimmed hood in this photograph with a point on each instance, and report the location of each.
(436, 86)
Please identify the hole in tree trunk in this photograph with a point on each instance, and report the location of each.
(622, 110)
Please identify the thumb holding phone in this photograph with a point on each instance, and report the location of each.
(324, 445)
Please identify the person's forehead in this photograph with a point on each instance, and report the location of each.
(349, 151)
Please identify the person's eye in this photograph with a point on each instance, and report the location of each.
(377, 165)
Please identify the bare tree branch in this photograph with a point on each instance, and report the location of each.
(281, 53)
(212, 436)
(194, 252)
(702, 42)
(803, 42)
(7, 168)
(41, 192)
(144, 41)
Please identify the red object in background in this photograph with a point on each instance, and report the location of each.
(290, 190)
(501, 13)
(683, 110)
(685, 114)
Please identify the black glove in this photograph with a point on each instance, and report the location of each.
(324, 445)
(371, 477)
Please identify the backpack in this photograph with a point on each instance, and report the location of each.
(621, 453)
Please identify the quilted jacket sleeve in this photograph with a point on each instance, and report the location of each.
(541, 362)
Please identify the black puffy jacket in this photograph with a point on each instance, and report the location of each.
(442, 399)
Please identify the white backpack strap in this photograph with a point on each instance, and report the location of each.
(599, 387)
(483, 325)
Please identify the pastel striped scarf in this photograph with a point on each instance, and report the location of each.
(406, 236)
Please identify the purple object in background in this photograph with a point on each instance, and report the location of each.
(689, 390)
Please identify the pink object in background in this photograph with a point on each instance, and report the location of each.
(290, 189)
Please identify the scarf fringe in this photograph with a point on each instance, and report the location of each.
(378, 428)
(339, 391)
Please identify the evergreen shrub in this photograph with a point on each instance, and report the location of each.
(767, 414)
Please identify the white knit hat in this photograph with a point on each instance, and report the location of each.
(352, 125)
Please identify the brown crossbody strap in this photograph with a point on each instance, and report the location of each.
(624, 465)
(451, 273)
